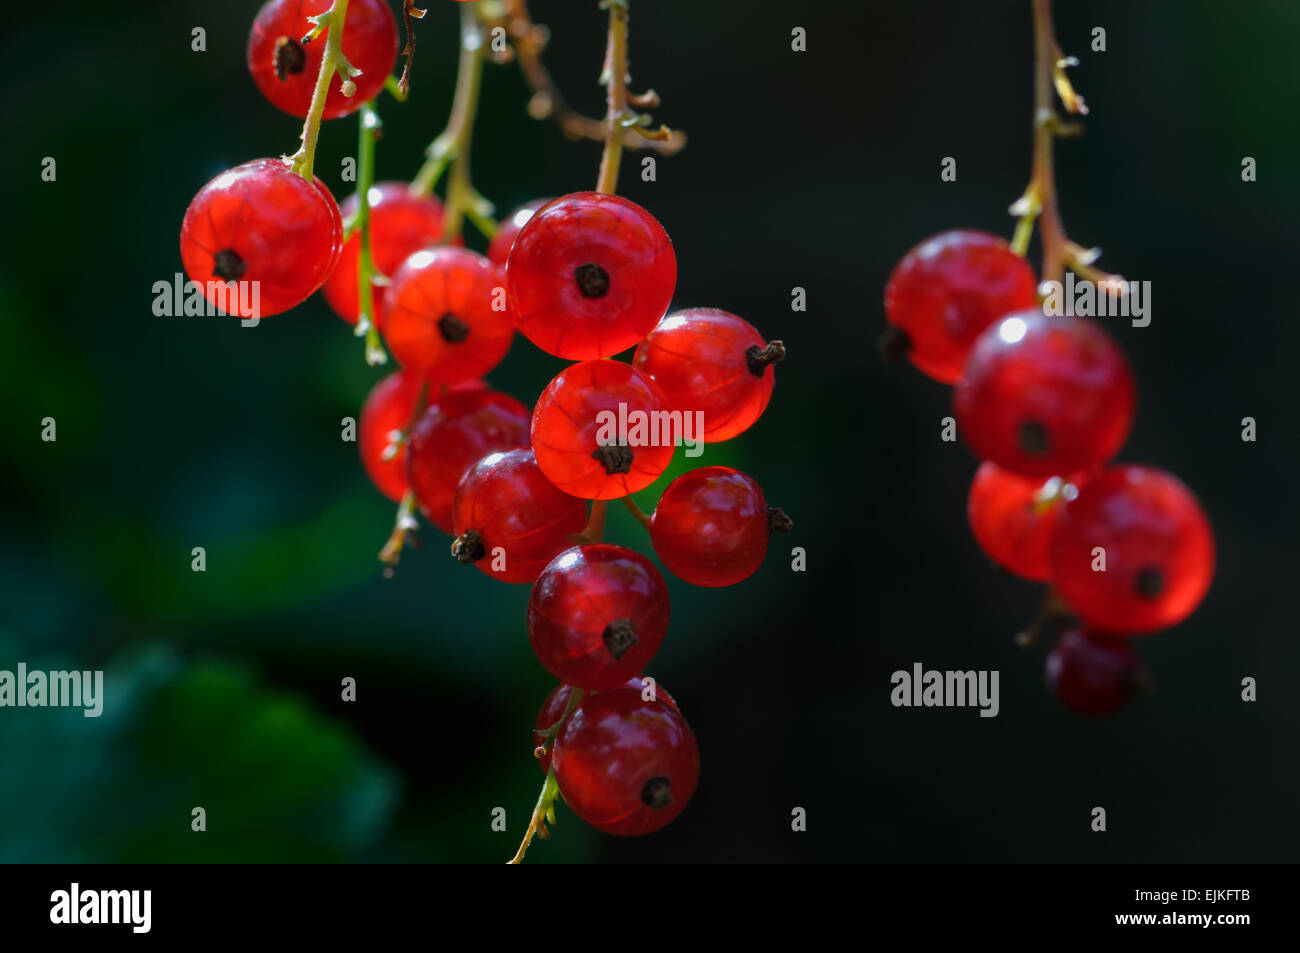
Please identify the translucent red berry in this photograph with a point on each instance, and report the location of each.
(285, 69)
(1043, 396)
(1133, 553)
(712, 525)
(712, 362)
(261, 233)
(597, 615)
(601, 430)
(589, 275)
(946, 291)
(509, 520)
(499, 248)
(386, 413)
(553, 709)
(400, 223)
(455, 431)
(1012, 517)
(625, 765)
(1093, 674)
(445, 315)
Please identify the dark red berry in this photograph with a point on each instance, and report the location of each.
(387, 412)
(947, 290)
(711, 526)
(1012, 517)
(262, 222)
(455, 431)
(579, 439)
(597, 615)
(509, 520)
(445, 315)
(712, 362)
(1044, 396)
(499, 248)
(589, 275)
(1153, 540)
(625, 765)
(1093, 674)
(552, 709)
(285, 69)
(400, 224)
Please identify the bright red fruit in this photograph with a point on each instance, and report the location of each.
(1158, 551)
(445, 316)
(1093, 674)
(589, 275)
(1044, 395)
(1013, 516)
(947, 290)
(505, 502)
(552, 709)
(455, 431)
(597, 615)
(626, 766)
(385, 414)
(261, 222)
(285, 70)
(400, 223)
(499, 248)
(576, 430)
(713, 362)
(711, 526)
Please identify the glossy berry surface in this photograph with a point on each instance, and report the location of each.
(509, 520)
(499, 248)
(576, 430)
(400, 224)
(711, 526)
(262, 222)
(947, 290)
(1093, 674)
(455, 431)
(589, 275)
(552, 709)
(445, 317)
(597, 615)
(1012, 517)
(386, 413)
(1042, 396)
(712, 362)
(626, 766)
(1158, 546)
(285, 70)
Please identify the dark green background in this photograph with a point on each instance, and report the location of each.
(816, 170)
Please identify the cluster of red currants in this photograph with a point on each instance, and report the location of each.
(1046, 402)
(584, 277)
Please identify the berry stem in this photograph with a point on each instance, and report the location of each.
(615, 79)
(543, 811)
(594, 531)
(404, 524)
(1052, 609)
(332, 21)
(641, 515)
(370, 126)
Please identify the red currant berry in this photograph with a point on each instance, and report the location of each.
(712, 362)
(1043, 396)
(946, 291)
(386, 413)
(400, 223)
(509, 520)
(579, 437)
(499, 248)
(589, 275)
(1134, 552)
(445, 316)
(261, 223)
(1092, 673)
(1013, 516)
(711, 526)
(455, 431)
(285, 69)
(553, 710)
(597, 615)
(626, 766)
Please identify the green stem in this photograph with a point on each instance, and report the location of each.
(370, 126)
(544, 810)
(332, 21)
(615, 76)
